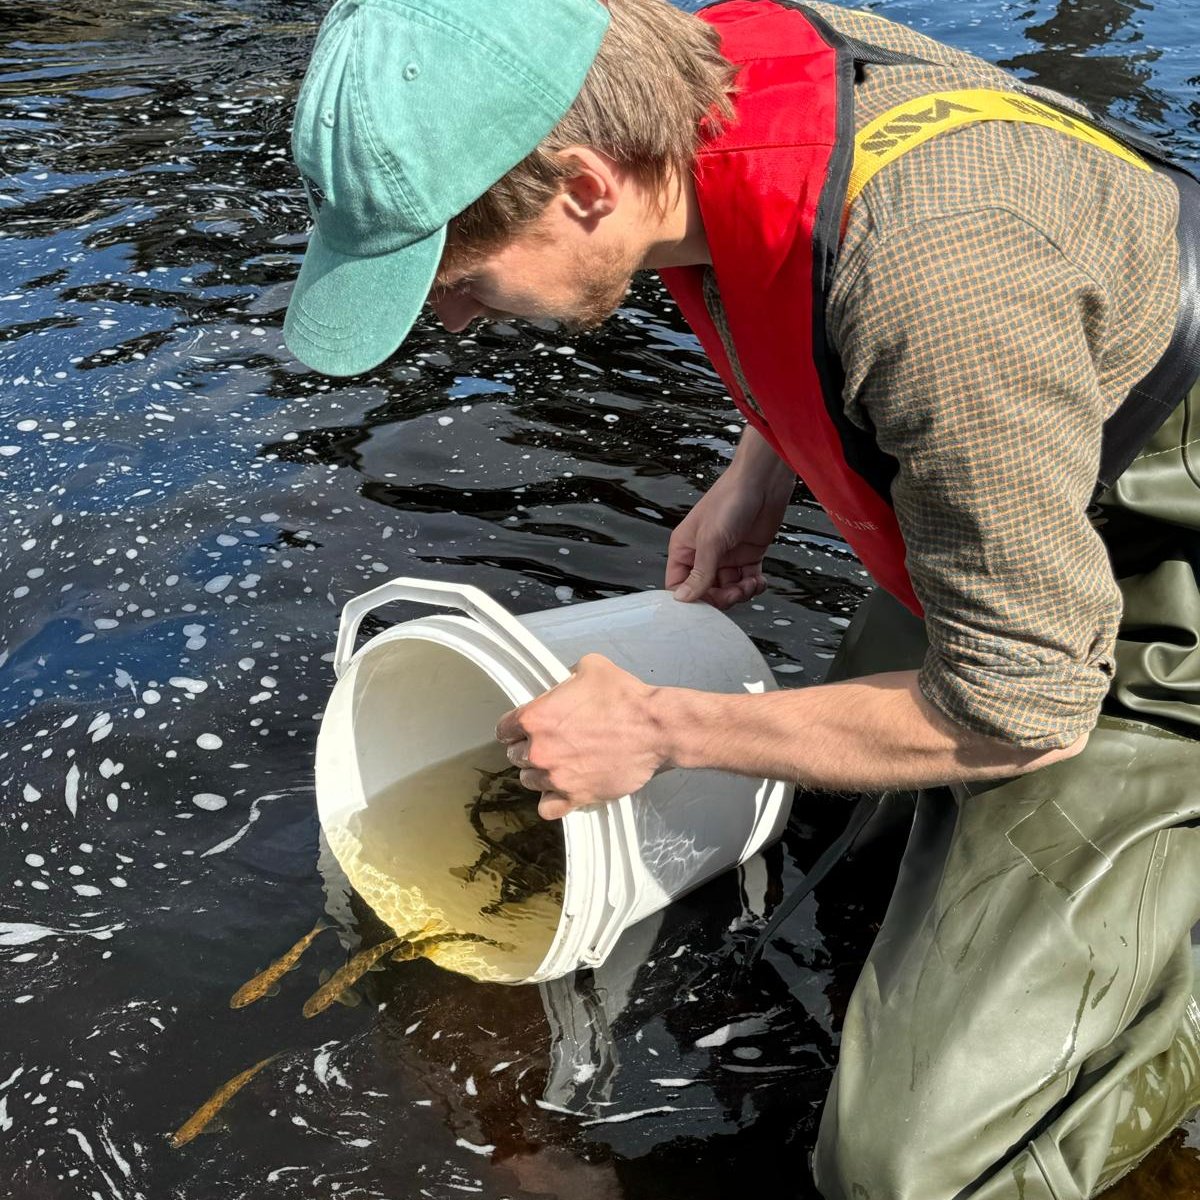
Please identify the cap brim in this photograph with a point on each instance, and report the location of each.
(348, 314)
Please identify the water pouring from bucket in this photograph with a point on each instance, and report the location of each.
(427, 820)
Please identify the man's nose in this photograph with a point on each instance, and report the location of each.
(455, 309)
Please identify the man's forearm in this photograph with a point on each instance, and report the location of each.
(756, 458)
(869, 734)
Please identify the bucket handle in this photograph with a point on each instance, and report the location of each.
(465, 598)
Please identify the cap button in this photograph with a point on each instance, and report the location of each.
(327, 118)
(412, 71)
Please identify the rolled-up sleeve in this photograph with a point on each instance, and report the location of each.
(971, 348)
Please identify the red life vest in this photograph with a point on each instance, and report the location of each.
(771, 189)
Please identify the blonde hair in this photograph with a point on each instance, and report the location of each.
(657, 88)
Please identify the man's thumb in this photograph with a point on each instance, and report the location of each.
(702, 577)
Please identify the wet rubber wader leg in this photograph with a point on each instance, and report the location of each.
(1028, 986)
(1024, 1026)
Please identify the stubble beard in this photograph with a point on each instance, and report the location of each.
(607, 281)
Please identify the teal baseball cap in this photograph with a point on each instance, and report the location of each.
(409, 111)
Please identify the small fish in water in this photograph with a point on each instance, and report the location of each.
(262, 983)
(200, 1119)
(350, 974)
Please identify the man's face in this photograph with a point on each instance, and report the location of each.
(554, 268)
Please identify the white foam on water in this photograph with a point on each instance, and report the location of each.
(71, 790)
(86, 1146)
(474, 1149)
(21, 933)
(558, 1108)
(719, 1037)
(619, 1118)
(221, 847)
(122, 1164)
(323, 1068)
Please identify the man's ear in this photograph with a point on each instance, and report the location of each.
(593, 185)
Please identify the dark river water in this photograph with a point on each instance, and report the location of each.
(185, 511)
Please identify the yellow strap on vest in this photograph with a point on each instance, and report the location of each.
(917, 120)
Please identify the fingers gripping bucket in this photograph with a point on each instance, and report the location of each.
(429, 691)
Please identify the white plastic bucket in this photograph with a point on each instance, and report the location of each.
(428, 690)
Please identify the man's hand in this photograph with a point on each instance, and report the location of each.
(716, 552)
(591, 739)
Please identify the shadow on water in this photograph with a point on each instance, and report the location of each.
(185, 511)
